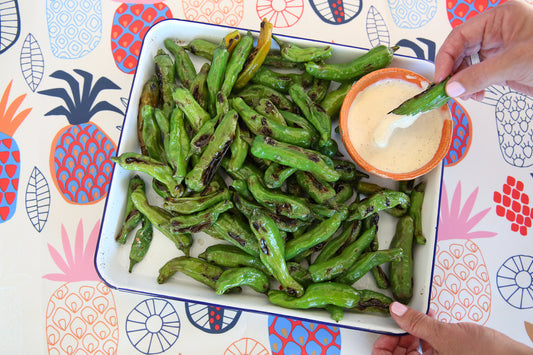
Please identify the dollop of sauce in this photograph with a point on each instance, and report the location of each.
(402, 144)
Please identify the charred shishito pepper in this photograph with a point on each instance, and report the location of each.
(258, 55)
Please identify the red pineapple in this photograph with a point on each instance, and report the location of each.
(80, 158)
(461, 10)
(130, 24)
(10, 120)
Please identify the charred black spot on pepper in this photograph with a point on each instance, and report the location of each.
(313, 157)
(203, 140)
(387, 202)
(291, 292)
(131, 160)
(369, 210)
(264, 246)
(237, 238)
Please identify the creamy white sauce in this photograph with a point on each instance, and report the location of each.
(405, 143)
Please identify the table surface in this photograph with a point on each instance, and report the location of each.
(483, 268)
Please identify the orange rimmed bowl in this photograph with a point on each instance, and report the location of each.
(344, 122)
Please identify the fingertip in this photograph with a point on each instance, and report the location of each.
(398, 308)
(454, 89)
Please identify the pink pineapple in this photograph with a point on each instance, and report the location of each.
(461, 287)
(81, 316)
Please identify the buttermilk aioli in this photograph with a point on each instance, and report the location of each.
(401, 144)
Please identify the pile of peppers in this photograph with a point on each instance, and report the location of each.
(242, 150)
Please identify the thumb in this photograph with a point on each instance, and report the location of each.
(416, 323)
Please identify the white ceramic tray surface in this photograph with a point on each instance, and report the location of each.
(112, 259)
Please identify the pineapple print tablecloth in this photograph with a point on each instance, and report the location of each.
(66, 73)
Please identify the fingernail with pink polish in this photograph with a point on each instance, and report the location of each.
(454, 89)
(398, 308)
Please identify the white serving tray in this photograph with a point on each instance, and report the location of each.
(112, 259)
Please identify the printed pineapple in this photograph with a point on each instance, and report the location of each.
(80, 158)
(514, 121)
(81, 316)
(294, 336)
(461, 10)
(461, 288)
(462, 138)
(228, 12)
(131, 21)
(10, 120)
(74, 27)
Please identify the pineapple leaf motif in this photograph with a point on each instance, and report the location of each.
(456, 222)
(9, 121)
(77, 263)
(80, 107)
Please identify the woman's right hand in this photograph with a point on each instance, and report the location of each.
(503, 39)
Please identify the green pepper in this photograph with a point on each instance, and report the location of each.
(415, 211)
(401, 270)
(196, 222)
(368, 261)
(132, 216)
(150, 166)
(320, 191)
(141, 243)
(269, 110)
(202, 48)
(338, 265)
(231, 256)
(236, 62)
(313, 112)
(150, 96)
(276, 174)
(151, 134)
(178, 145)
(238, 149)
(164, 69)
(215, 77)
(333, 100)
(294, 53)
(242, 276)
(280, 81)
(318, 90)
(233, 229)
(294, 156)
(196, 268)
(261, 125)
(376, 58)
(198, 87)
(160, 219)
(282, 204)
(372, 301)
(379, 201)
(183, 64)
(196, 203)
(203, 171)
(318, 295)
(349, 233)
(431, 98)
(272, 252)
(316, 235)
(196, 115)
(253, 93)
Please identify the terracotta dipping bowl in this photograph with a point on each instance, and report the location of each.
(372, 78)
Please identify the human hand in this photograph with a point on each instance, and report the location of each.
(436, 337)
(503, 38)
